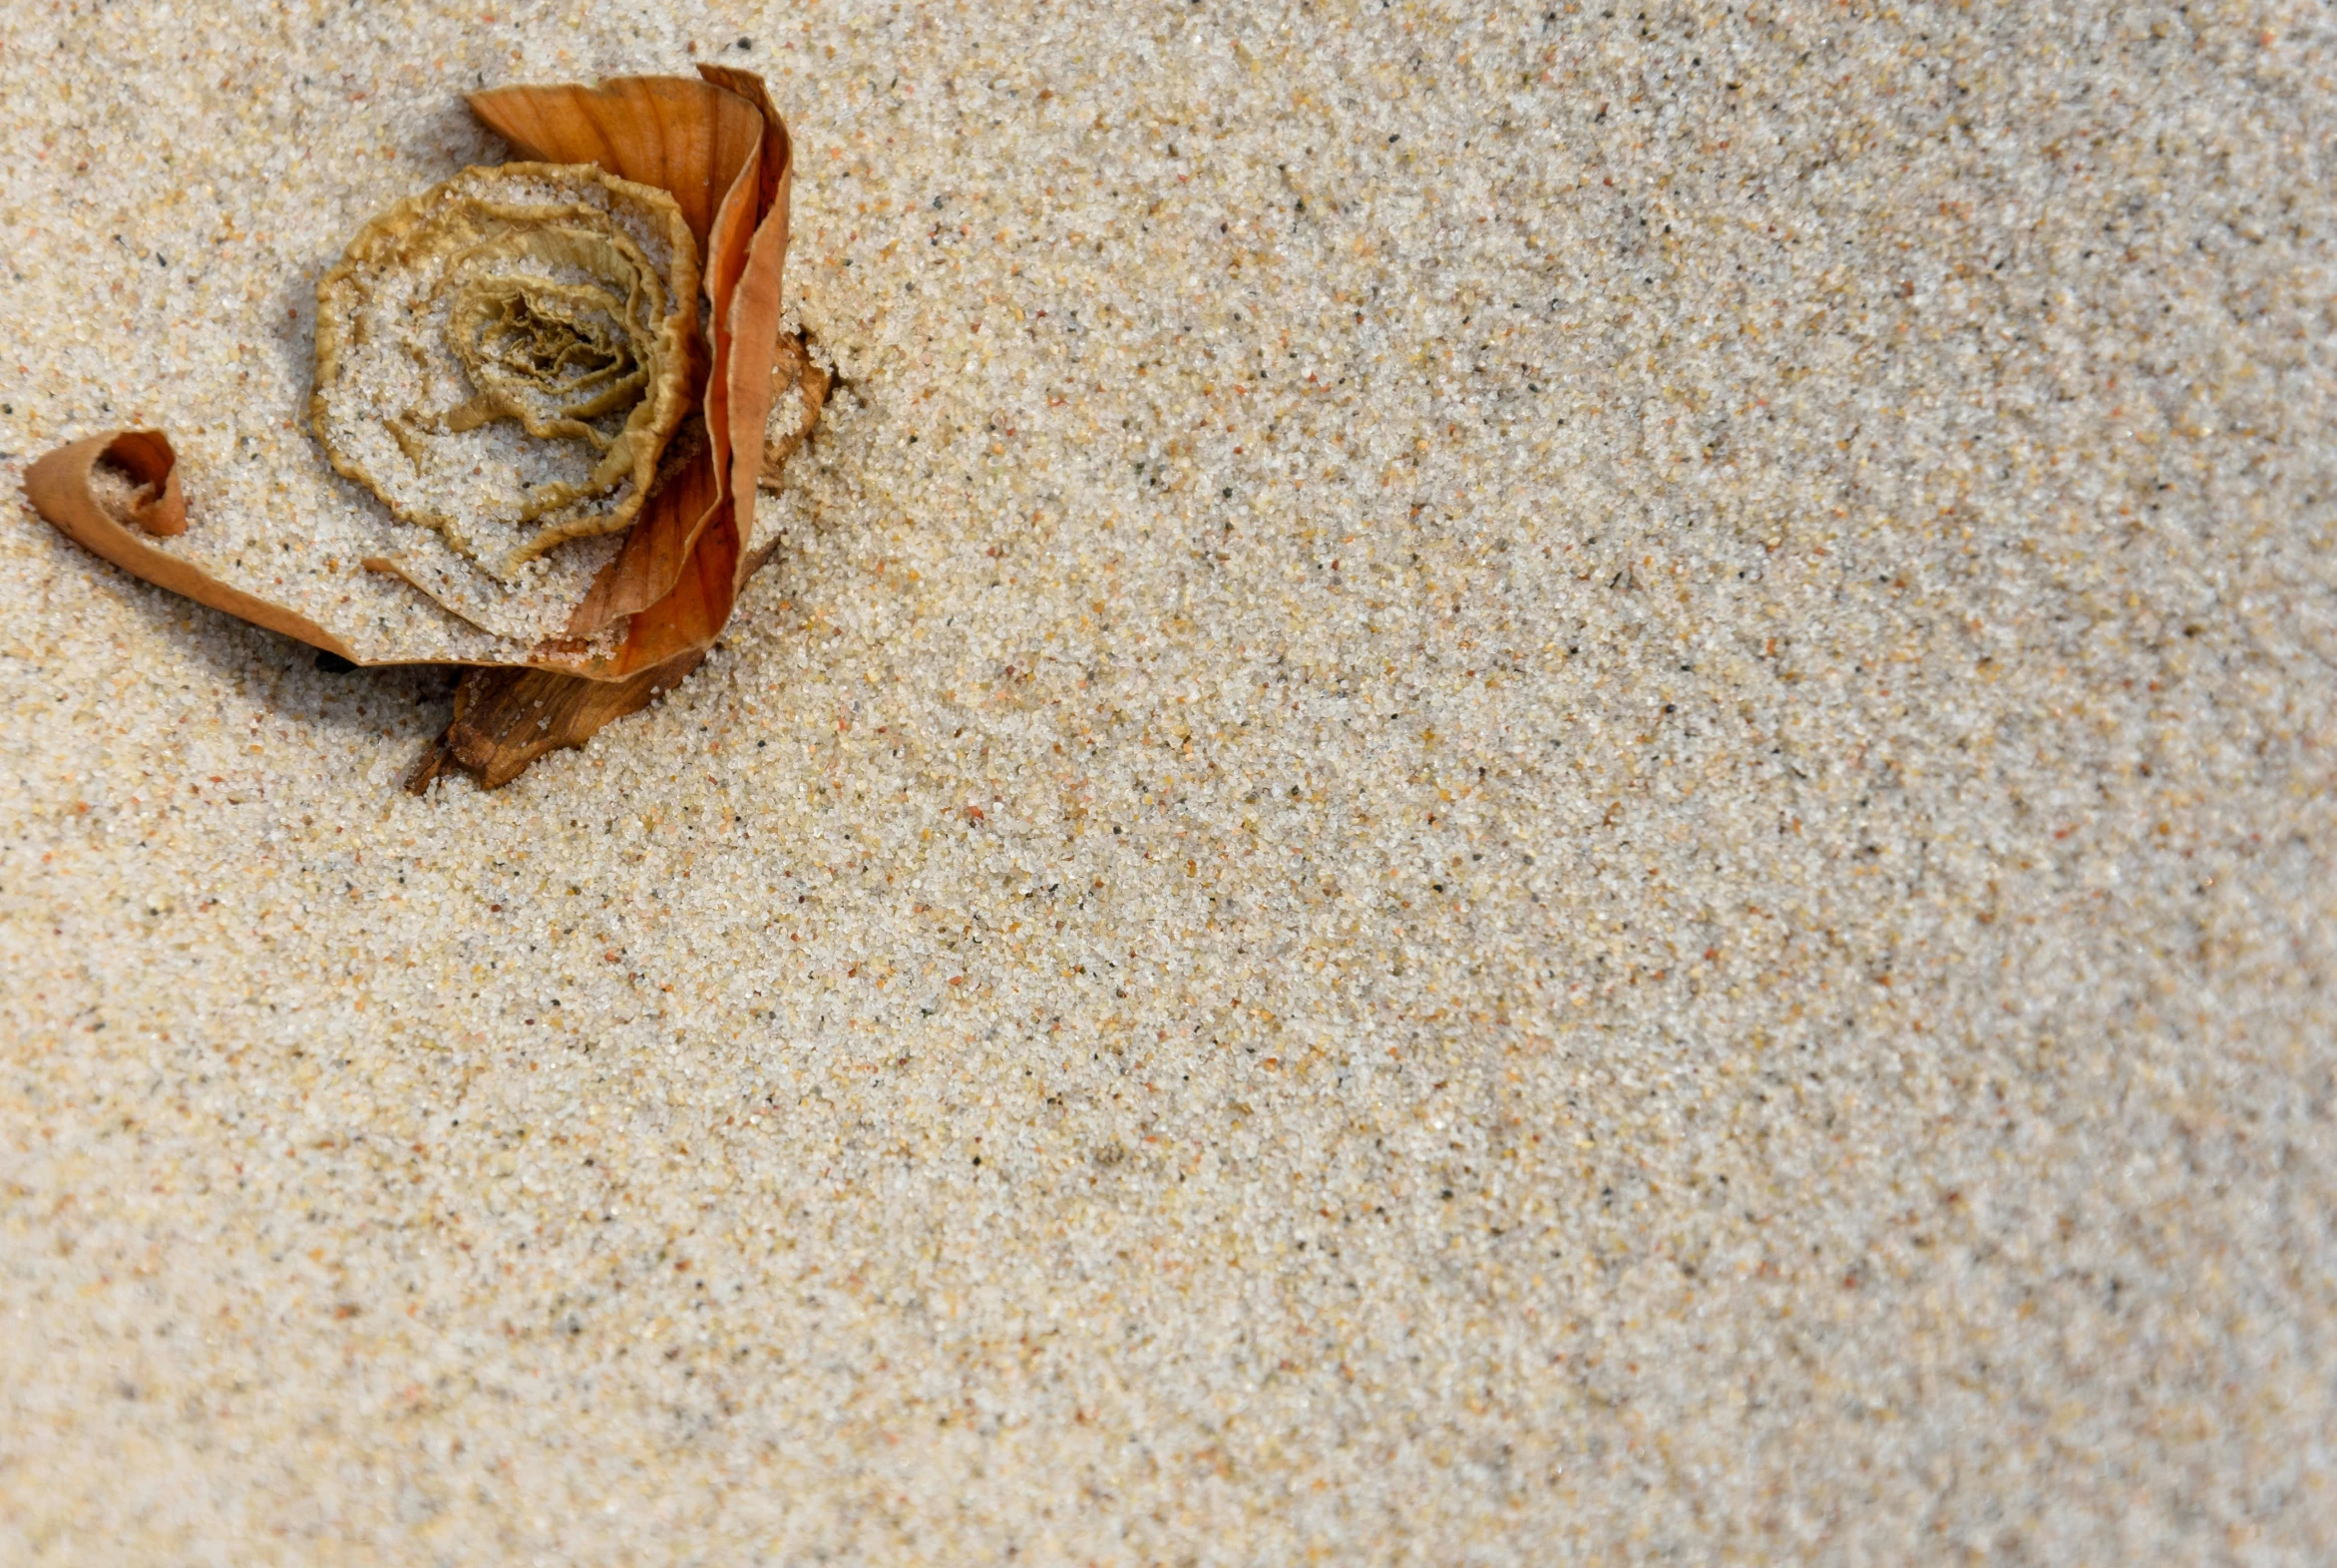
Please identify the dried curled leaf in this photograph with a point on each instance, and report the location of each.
(557, 350)
(503, 357)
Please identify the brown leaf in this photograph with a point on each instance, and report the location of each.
(754, 307)
(63, 487)
(660, 541)
(693, 611)
(506, 718)
(745, 246)
(689, 137)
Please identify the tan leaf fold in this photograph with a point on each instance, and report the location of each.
(718, 146)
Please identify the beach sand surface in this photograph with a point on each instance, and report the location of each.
(1523, 785)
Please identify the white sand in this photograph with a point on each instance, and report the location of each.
(1542, 789)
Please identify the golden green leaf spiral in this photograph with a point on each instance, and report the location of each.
(503, 357)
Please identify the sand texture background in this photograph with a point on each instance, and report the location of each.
(1523, 786)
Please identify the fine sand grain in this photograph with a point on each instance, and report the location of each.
(1520, 787)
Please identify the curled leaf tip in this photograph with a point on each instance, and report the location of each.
(136, 479)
